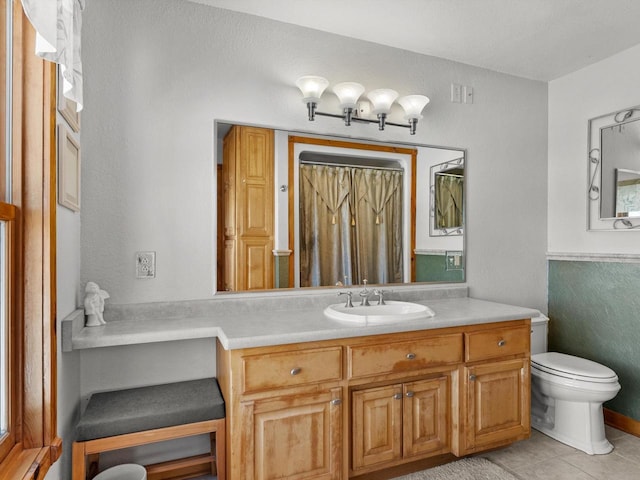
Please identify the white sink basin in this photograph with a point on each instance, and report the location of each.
(392, 312)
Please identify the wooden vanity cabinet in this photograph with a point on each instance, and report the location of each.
(496, 393)
(294, 436)
(400, 421)
(348, 407)
(284, 408)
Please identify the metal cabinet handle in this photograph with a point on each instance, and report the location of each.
(472, 377)
(397, 396)
(296, 371)
(409, 394)
(502, 343)
(336, 401)
(411, 356)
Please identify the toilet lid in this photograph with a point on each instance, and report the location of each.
(564, 365)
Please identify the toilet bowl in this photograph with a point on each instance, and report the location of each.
(567, 394)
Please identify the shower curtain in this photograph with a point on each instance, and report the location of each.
(448, 201)
(350, 225)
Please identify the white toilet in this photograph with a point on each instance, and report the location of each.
(567, 394)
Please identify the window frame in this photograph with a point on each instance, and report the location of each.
(33, 445)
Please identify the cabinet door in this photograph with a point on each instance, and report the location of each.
(426, 417)
(377, 425)
(255, 188)
(294, 437)
(254, 262)
(498, 396)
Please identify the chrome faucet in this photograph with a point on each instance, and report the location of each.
(365, 293)
(348, 294)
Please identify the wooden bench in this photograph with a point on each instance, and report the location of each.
(139, 416)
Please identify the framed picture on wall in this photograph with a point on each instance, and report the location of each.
(68, 108)
(68, 169)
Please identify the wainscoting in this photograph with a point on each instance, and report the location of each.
(594, 307)
(433, 268)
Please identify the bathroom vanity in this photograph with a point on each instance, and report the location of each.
(309, 397)
(347, 407)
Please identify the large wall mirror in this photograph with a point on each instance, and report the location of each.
(297, 211)
(614, 170)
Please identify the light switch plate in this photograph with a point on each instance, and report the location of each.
(456, 93)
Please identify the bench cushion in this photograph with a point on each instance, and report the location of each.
(146, 408)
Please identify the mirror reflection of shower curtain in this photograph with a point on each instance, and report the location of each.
(350, 225)
(448, 201)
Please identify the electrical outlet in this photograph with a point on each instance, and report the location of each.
(453, 260)
(145, 264)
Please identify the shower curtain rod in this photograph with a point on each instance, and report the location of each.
(330, 164)
(450, 175)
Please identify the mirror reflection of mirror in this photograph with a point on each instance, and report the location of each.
(447, 195)
(297, 211)
(614, 163)
(627, 193)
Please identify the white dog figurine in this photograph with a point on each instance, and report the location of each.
(94, 304)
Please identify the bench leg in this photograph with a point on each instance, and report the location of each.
(212, 441)
(221, 454)
(78, 466)
(94, 465)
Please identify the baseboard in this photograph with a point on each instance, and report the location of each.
(621, 422)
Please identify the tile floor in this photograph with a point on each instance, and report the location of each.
(542, 458)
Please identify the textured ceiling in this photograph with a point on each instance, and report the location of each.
(537, 39)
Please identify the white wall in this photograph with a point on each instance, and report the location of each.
(599, 89)
(157, 74)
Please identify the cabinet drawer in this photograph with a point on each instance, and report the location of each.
(278, 370)
(367, 360)
(498, 342)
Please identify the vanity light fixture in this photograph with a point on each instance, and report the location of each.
(348, 93)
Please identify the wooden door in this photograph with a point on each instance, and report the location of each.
(498, 397)
(248, 176)
(426, 413)
(297, 437)
(256, 183)
(377, 425)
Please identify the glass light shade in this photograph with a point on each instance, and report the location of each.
(312, 87)
(413, 105)
(382, 99)
(348, 93)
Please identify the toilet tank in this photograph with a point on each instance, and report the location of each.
(539, 332)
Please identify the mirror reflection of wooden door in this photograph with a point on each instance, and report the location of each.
(248, 186)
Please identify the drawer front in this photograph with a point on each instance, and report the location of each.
(279, 370)
(368, 360)
(498, 342)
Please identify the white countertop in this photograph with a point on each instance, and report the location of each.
(277, 327)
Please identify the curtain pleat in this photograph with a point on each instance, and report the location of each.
(378, 225)
(325, 225)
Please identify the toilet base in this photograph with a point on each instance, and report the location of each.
(577, 424)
